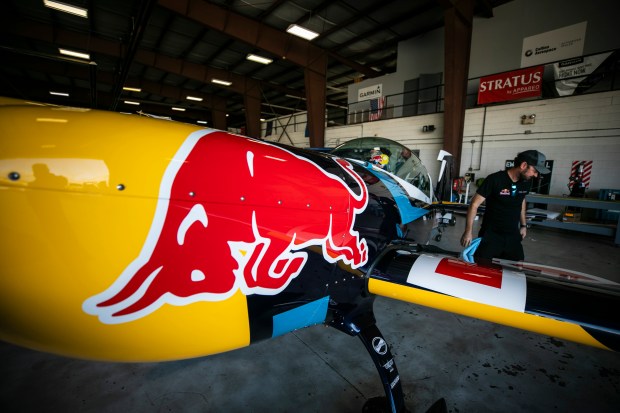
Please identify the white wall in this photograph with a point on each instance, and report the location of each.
(577, 128)
(569, 129)
(518, 19)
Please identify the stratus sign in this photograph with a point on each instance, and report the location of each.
(518, 84)
(370, 92)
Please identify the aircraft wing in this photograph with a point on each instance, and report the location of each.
(546, 300)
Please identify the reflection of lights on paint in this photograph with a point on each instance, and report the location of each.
(52, 120)
(275, 159)
(80, 173)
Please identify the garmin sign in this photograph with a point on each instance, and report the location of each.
(371, 92)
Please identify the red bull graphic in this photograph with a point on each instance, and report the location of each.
(242, 227)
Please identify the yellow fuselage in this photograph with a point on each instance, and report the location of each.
(78, 192)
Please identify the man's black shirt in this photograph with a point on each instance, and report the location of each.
(504, 199)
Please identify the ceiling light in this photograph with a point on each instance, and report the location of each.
(259, 59)
(194, 98)
(202, 122)
(131, 102)
(221, 82)
(132, 89)
(74, 54)
(67, 8)
(295, 97)
(59, 94)
(179, 109)
(301, 32)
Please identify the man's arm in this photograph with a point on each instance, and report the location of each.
(472, 211)
(523, 221)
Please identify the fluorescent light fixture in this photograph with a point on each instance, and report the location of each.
(202, 122)
(67, 8)
(301, 32)
(131, 102)
(295, 97)
(179, 109)
(221, 82)
(194, 98)
(74, 54)
(262, 119)
(259, 59)
(132, 89)
(59, 93)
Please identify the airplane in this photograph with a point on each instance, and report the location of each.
(133, 239)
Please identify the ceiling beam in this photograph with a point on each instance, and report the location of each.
(254, 33)
(144, 14)
(96, 45)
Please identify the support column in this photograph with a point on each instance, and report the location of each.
(218, 113)
(252, 102)
(458, 28)
(315, 75)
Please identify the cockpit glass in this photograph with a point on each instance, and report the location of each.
(390, 156)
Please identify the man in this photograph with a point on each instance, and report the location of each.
(407, 165)
(503, 225)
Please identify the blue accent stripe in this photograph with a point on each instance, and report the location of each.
(300, 317)
(408, 212)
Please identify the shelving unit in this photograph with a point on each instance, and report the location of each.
(592, 228)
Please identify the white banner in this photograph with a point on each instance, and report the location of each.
(566, 70)
(554, 45)
(370, 92)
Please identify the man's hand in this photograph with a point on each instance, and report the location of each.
(523, 232)
(472, 211)
(466, 238)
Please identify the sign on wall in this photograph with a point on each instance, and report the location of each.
(370, 92)
(567, 72)
(554, 45)
(517, 84)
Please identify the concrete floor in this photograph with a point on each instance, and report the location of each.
(475, 365)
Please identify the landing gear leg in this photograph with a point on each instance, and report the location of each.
(394, 401)
(384, 362)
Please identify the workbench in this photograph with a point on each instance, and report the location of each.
(589, 227)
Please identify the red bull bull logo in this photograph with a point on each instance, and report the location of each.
(244, 226)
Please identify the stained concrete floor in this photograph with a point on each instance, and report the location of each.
(475, 365)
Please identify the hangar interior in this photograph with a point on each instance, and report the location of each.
(163, 58)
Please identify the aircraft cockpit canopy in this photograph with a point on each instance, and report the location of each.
(390, 156)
